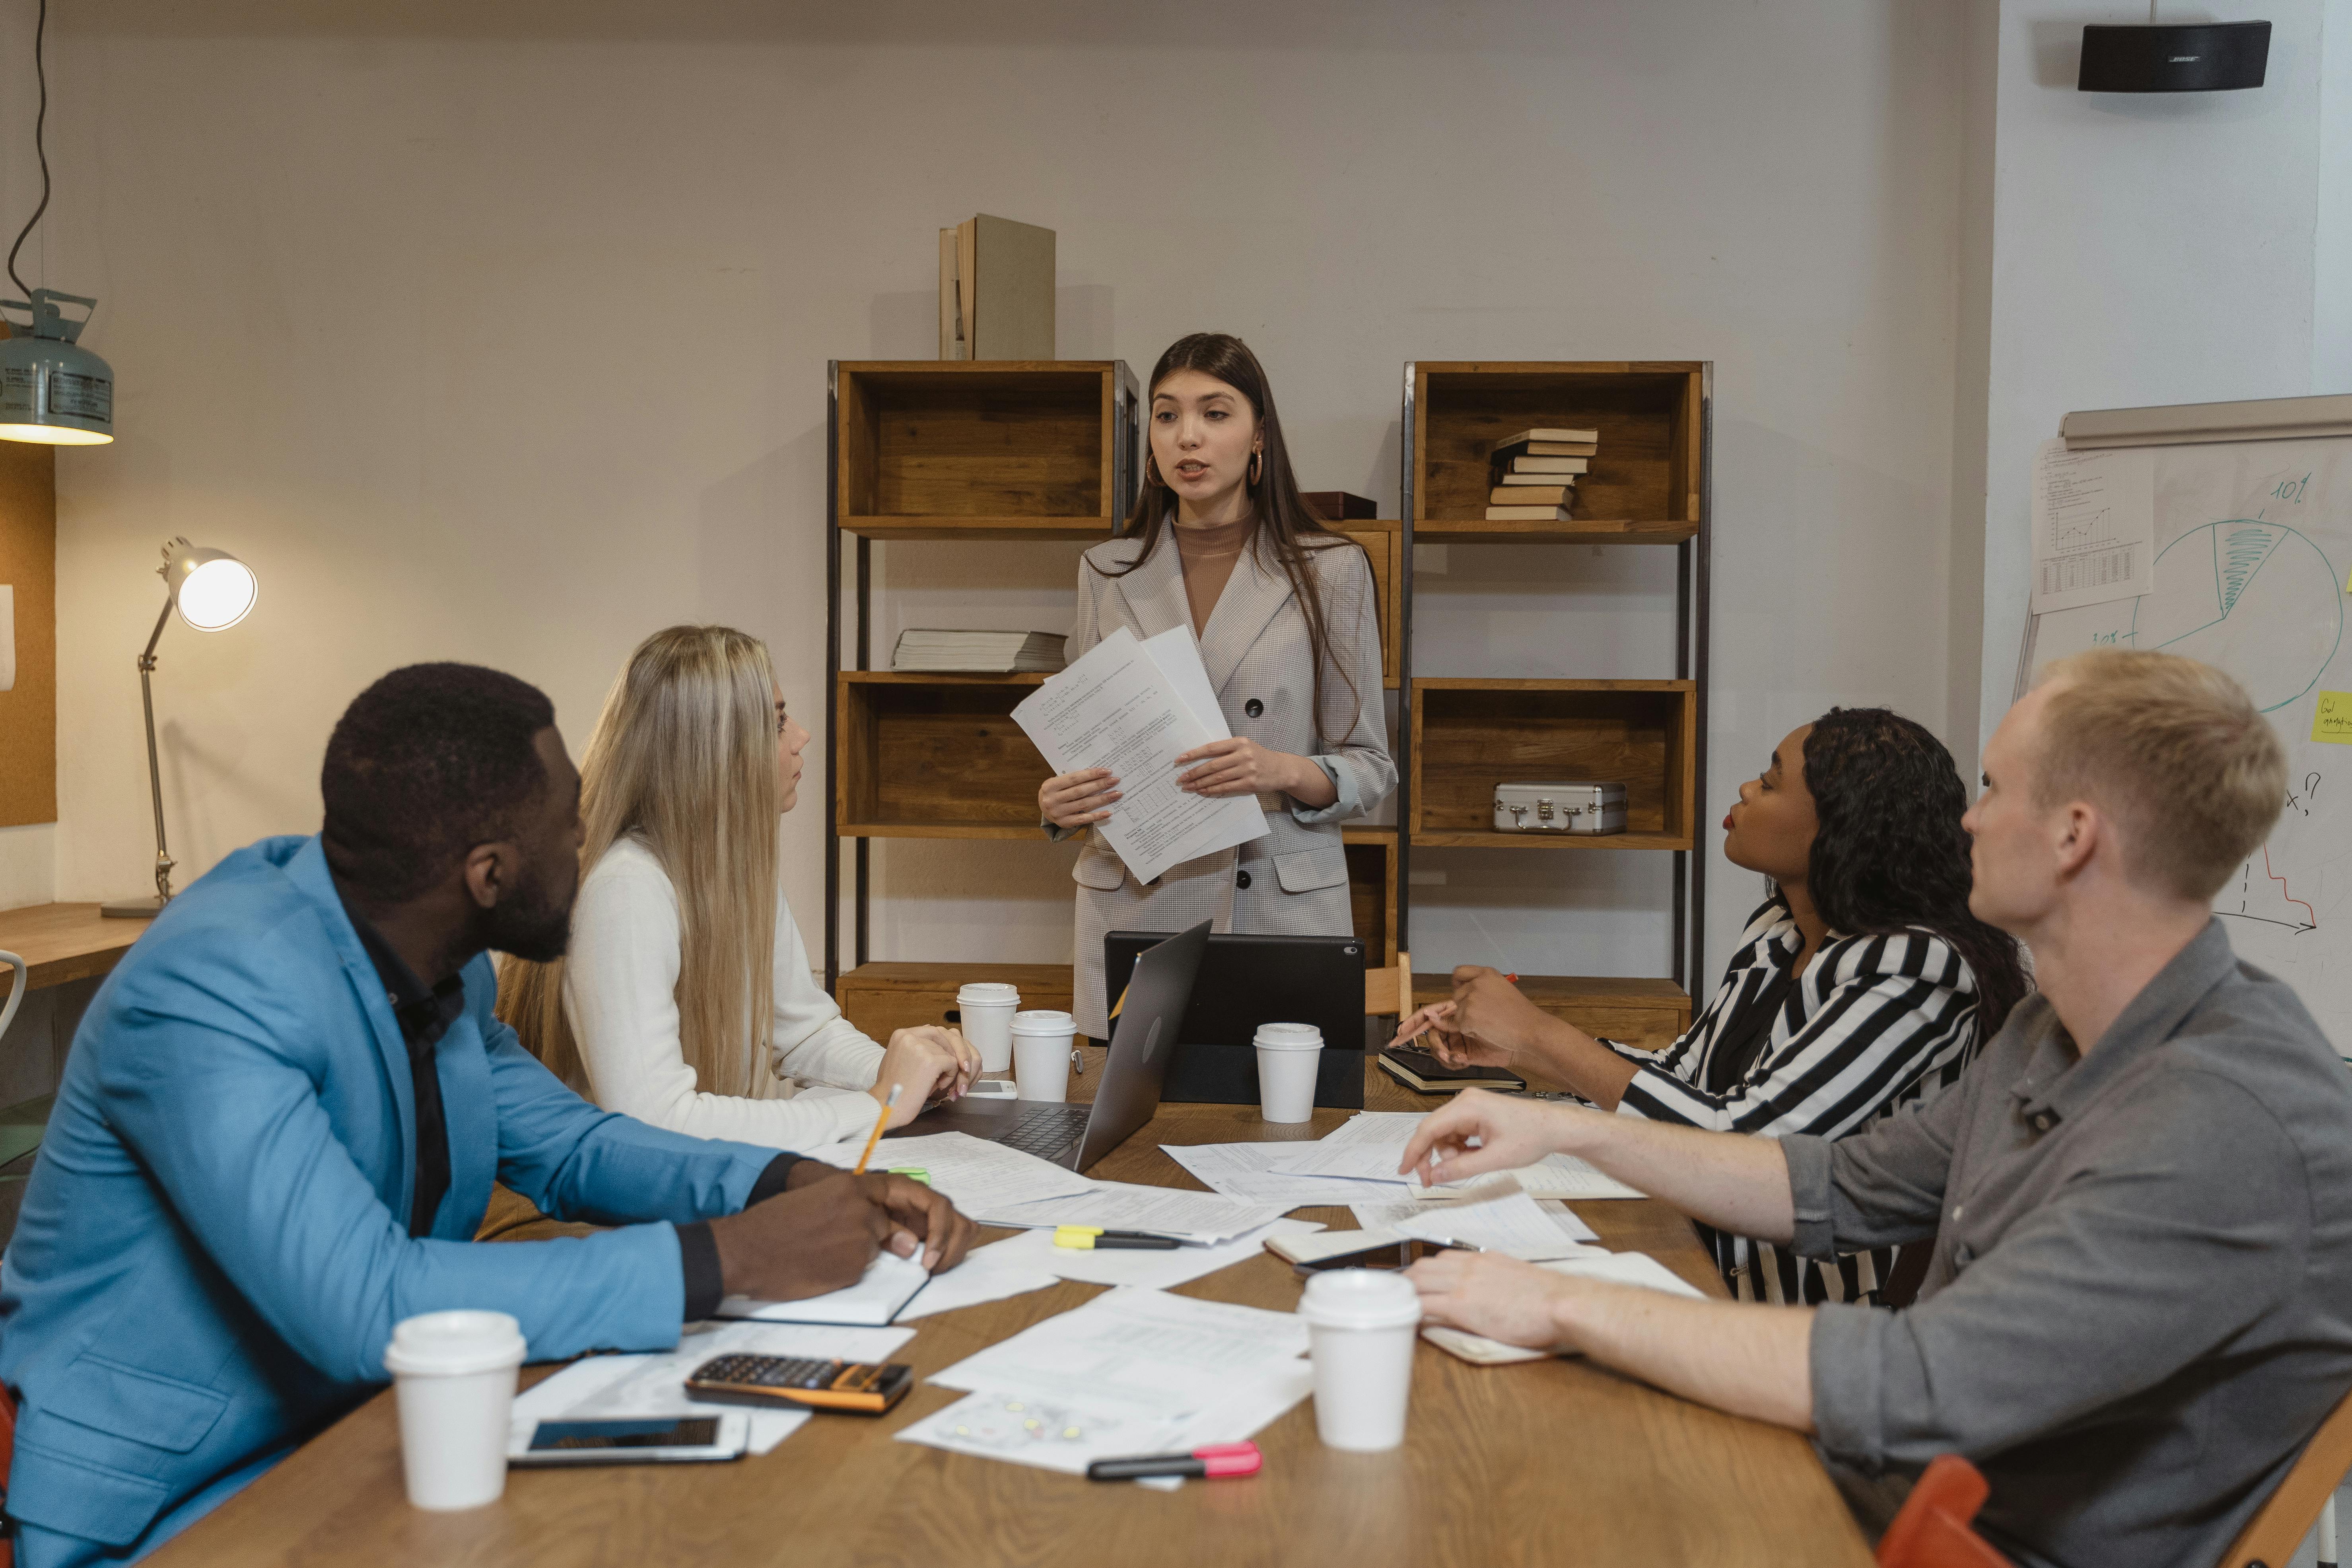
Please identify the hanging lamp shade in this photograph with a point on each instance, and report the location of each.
(52, 390)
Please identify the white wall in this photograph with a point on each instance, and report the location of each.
(498, 333)
(2147, 250)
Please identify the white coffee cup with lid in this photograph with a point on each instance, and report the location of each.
(1041, 1054)
(988, 1006)
(1288, 1057)
(454, 1378)
(1360, 1328)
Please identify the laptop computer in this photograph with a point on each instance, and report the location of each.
(1142, 1042)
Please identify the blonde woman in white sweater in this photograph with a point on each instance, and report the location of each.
(686, 1000)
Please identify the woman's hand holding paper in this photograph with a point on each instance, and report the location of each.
(1239, 765)
(1079, 799)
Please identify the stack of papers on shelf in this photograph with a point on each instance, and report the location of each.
(1133, 1371)
(1254, 1172)
(1637, 1268)
(1198, 1218)
(979, 1177)
(989, 652)
(644, 1387)
(1134, 708)
(1500, 1218)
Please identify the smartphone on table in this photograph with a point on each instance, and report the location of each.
(660, 1439)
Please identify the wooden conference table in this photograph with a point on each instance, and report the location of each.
(1549, 1462)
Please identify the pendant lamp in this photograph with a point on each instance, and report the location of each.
(52, 390)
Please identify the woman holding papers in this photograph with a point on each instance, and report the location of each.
(686, 1000)
(1288, 627)
(1861, 982)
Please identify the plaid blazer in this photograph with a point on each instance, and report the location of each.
(1293, 881)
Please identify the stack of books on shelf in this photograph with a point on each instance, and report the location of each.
(988, 653)
(1535, 474)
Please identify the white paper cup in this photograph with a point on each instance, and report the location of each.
(988, 1006)
(454, 1373)
(1041, 1054)
(1288, 1057)
(1360, 1328)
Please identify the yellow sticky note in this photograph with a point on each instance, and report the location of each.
(2333, 722)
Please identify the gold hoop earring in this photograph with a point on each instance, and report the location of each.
(1258, 466)
(1151, 472)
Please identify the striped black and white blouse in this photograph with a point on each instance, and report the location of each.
(1873, 1024)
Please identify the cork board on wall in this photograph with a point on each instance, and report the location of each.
(29, 564)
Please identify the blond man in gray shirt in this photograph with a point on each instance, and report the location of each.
(2139, 1304)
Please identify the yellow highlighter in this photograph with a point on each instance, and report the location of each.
(1094, 1238)
(912, 1173)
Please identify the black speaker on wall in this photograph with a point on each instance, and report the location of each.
(2207, 57)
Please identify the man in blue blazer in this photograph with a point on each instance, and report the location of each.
(282, 1115)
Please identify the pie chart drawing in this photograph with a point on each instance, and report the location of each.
(2256, 599)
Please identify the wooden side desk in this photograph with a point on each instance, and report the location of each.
(1540, 1463)
(60, 942)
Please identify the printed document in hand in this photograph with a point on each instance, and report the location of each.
(1134, 708)
(2093, 525)
(976, 1176)
(1131, 1371)
(643, 1387)
(1616, 1267)
(1200, 1217)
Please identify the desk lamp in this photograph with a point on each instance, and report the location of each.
(213, 591)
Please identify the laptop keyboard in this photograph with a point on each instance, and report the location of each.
(1049, 1132)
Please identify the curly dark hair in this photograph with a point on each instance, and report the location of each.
(1890, 852)
(425, 764)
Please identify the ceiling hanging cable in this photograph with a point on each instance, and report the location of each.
(52, 390)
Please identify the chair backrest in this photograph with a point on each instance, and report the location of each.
(1390, 990)
(2275, 1534)
(1932, 1531)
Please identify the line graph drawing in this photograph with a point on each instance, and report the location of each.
(2247, 895)
(2254, 597)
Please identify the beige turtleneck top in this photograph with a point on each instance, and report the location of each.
(1208, 552)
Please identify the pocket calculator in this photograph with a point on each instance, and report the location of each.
(857, 1388)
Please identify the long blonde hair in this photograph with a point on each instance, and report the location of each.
(684, 759)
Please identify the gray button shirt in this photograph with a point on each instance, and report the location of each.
(2140, 1301)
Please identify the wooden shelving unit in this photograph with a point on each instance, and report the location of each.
(922, 451)
(1648, 485)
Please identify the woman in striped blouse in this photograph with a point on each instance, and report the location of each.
(1861, 982)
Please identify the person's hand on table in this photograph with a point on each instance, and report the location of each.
(1436, 1022)
(1079, 799)
(820, 1232)
(933, 1063)
(1479, 1132)
(1239, 765)
(1493, 1019)
(1491, 1294)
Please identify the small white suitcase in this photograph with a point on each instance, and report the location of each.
(1559, 805)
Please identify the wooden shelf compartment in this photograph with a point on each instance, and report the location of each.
(1383, 543)
(935, 756)
(1649, 1013)
(1577, 530)
(1468, 735)
(880, 997)
(1373, 891)
(990, 449)
(1647, 470)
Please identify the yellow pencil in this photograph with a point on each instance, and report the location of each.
(880, 1121)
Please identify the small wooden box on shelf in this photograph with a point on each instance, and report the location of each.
(982, 449)
(1469, 735)
(1646, 481)
(934, 756)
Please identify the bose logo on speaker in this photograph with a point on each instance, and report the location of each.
(2181, 59)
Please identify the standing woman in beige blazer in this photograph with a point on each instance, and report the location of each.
(1284, 611)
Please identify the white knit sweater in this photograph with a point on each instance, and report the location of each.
(620, 992)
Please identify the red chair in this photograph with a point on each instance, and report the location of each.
(1932, 1531)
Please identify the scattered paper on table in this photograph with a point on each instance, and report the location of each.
(645, 1387)
(976, 1175)
(1494, 1217)
(1553, 1176)
(1157, 1211)
(1133, 1371)
(1252, 1171)
(1117, 708)
(986, 1274)
(2093, 525)
(1368, 1146)
(888, 1283)
(1148, 1268)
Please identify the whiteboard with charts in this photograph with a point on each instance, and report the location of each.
(2253, 540)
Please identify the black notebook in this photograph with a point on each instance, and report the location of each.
(1417, 1068)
